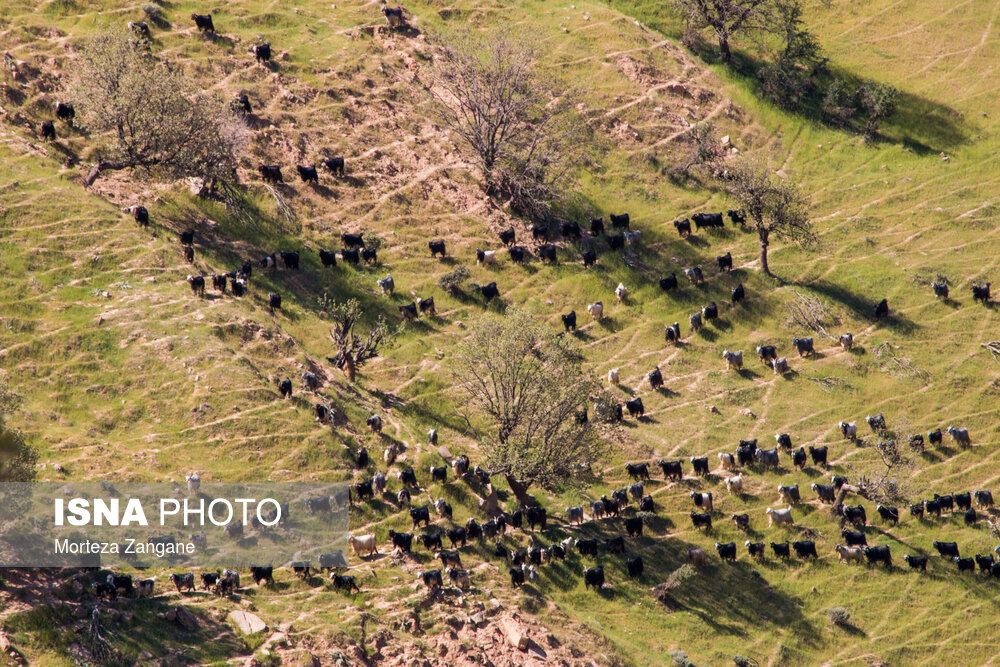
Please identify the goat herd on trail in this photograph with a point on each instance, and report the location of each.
(618, 509)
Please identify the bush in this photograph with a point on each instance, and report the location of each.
(680, 659)
(452, 281)
(154, 13)
(838, 615)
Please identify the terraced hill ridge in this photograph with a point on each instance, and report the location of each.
(126, 375)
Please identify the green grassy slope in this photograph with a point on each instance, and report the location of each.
(151, 383)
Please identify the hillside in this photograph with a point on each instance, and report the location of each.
(126, 375)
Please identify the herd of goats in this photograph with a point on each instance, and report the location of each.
(523, 563)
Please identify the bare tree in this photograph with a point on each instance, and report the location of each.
(487, 90)
(353, 351)
(529, 386)
(148, 115)
(885, 480)
(774, 207)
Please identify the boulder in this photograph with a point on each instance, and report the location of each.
(247, 623)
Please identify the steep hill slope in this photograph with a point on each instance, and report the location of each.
(126, 375)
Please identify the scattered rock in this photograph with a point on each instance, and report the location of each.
(247, 623)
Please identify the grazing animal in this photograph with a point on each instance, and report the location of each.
(683, 227)
(846, 340)
(635, 407)
(655, 378)
(780, 366)
(695, 321)
(734, 360)
(431, 579)
(768, 354)
(621, 292)
(710, 312)
(48, 130)
(701, 520)
(799, 458)
(959, 435)
(596, 310)
(589, 258)
(983, 498)
(742, 521)
(856, 514)
(778, 517)
(767, 457)
(633, 237)
(575, 514)
(985, 563)
(727, 461)
(963, 501)
(707, 220)
(290, 259)
(507, 236)
(738, 294)
(242, 104)
(613, 378)
(409, 311)
(596, 226)
(401, 541)
(352, 240)
(387, 284)
(633, 526)
(370, 255)
(696, 556)
(981, 293)
(668, 283)
(439, 474)
(673, 333)
(695, 275)
(570, 230)
(646, 504)
(262, 52)
(182, 581)
(789, 494)
(825, 492)
(940, 289)
(285, 387)
(350, 256)
(880, 554)
(270, 173)
(197, 284)
(517, 254)
(700, 465)
(734, 484)
(203, 22)
(849, 429)
(335, 165)
(818, 455)
(702, 500)
(460, 465)
(420, 515)
(547, 253)
(755, 549)
(671, 469)
(374, 422)
(738, 217)
(804, 346)
(637, 470)
(66, 112)
(935, 437)
(805, 548)
(489, 291)
(634, 567)
(916, 562)
(725, 262)
(876, 422)
(854, 538)
(726, 551)
(848, 554)
(586, 547)
(619, 221)
(970, 517)
(593, 576)
(882, 309)
(393, 16)
(307, 174)
(141, 215)
(965, 564)
(781, 550)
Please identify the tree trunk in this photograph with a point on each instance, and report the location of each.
(764, 266)
(350, 370)
(724, 51)
(520, 491)
(99, 167)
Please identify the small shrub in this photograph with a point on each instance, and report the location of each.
(371, 240)
(838, 615)
(452, 281)
(153, 12)
(680, 659)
